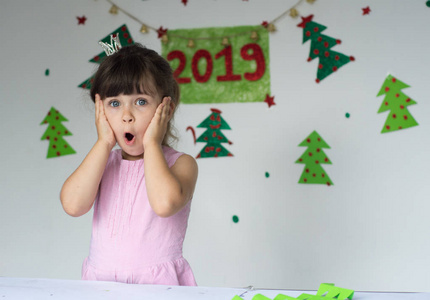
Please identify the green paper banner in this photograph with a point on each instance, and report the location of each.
(210, 72)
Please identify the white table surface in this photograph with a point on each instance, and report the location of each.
(38, 288)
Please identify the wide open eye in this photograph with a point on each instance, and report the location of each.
(141, 102)
(114, 103)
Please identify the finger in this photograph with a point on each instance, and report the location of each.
(97, 98)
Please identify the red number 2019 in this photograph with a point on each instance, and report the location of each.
(256, 54)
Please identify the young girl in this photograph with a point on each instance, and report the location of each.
(141, 192)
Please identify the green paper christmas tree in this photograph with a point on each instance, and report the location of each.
(58, 146)
(329, 60)
(125, 39)
(213, 137)
(313, 158)
(396, 102)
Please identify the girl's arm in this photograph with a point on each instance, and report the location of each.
(169, 189)
(80, 189)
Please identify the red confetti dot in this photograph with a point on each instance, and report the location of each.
(319, 139)
(314, 175)
(125, 35)
(54, 146)
(205, 138)
(308, 140)
(320, 66)
(114, 35)
(326, 159)
(325, 44)
(305, 180)
(130, 41)
(322, 175)
(394, 116)
(352, 58)
(402, 106)
(308, 33)
(66, 132)
(309, 59)
(44, 122)
(387, 89)
(300, 159)
(336, 57)
(48, 137)
(318, 149)
(334, 69)
(317, 80)
(388, 127)
(57, 117)
(316, 29)
(307, 170)
(53, 127)
(405, 117)
(218, 149)
(65, 146)
(214, 134)
(123, 28)
(55, 139)
(328, 183)
(393, 80)
(58, 132)
(386, 103)
(317, 162)
(84, 86)
(58, 153)
(397, 95)
(326, 54)
(319, 39)
(408, 100)
(310, 153)
(338, 41)
(316, 51)
(96, 58)
(400, 127)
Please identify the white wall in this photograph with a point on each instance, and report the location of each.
(370, 231)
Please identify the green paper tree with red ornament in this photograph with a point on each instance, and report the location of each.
(125, 39)
(396, 102)
(329, 60)
(313, 158)
(55, 132)
(213, 137)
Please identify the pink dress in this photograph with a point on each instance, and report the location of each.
(129, 242)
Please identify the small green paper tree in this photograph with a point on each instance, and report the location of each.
(313, 158)
(125, 39)
(329, 60)
(396, 102)
(58, 146)
(213, 137)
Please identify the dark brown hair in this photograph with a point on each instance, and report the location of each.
(136, 69)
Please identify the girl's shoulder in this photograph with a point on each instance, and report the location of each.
(171, 155)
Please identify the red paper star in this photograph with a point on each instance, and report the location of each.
(366, 10)
(305, 20)
(81, 20)
(161, 31)
(270, 100)
(184, 1)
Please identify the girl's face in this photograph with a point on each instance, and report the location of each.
(129, 117)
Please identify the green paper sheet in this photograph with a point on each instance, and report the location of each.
(213, 60)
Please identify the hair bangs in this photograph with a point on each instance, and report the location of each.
(127, 77)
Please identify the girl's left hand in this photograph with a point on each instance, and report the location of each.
(157, 128)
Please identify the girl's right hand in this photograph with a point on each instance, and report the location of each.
(104, 131)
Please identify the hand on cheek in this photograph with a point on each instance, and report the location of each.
(104, 131)
(157, 128)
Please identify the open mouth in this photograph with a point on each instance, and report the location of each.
(129, 138)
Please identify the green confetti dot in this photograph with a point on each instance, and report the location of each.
(347, 115)
(267, 174)
(235, 219)
(47, 72)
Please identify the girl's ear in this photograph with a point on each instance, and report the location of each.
(172, 108)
